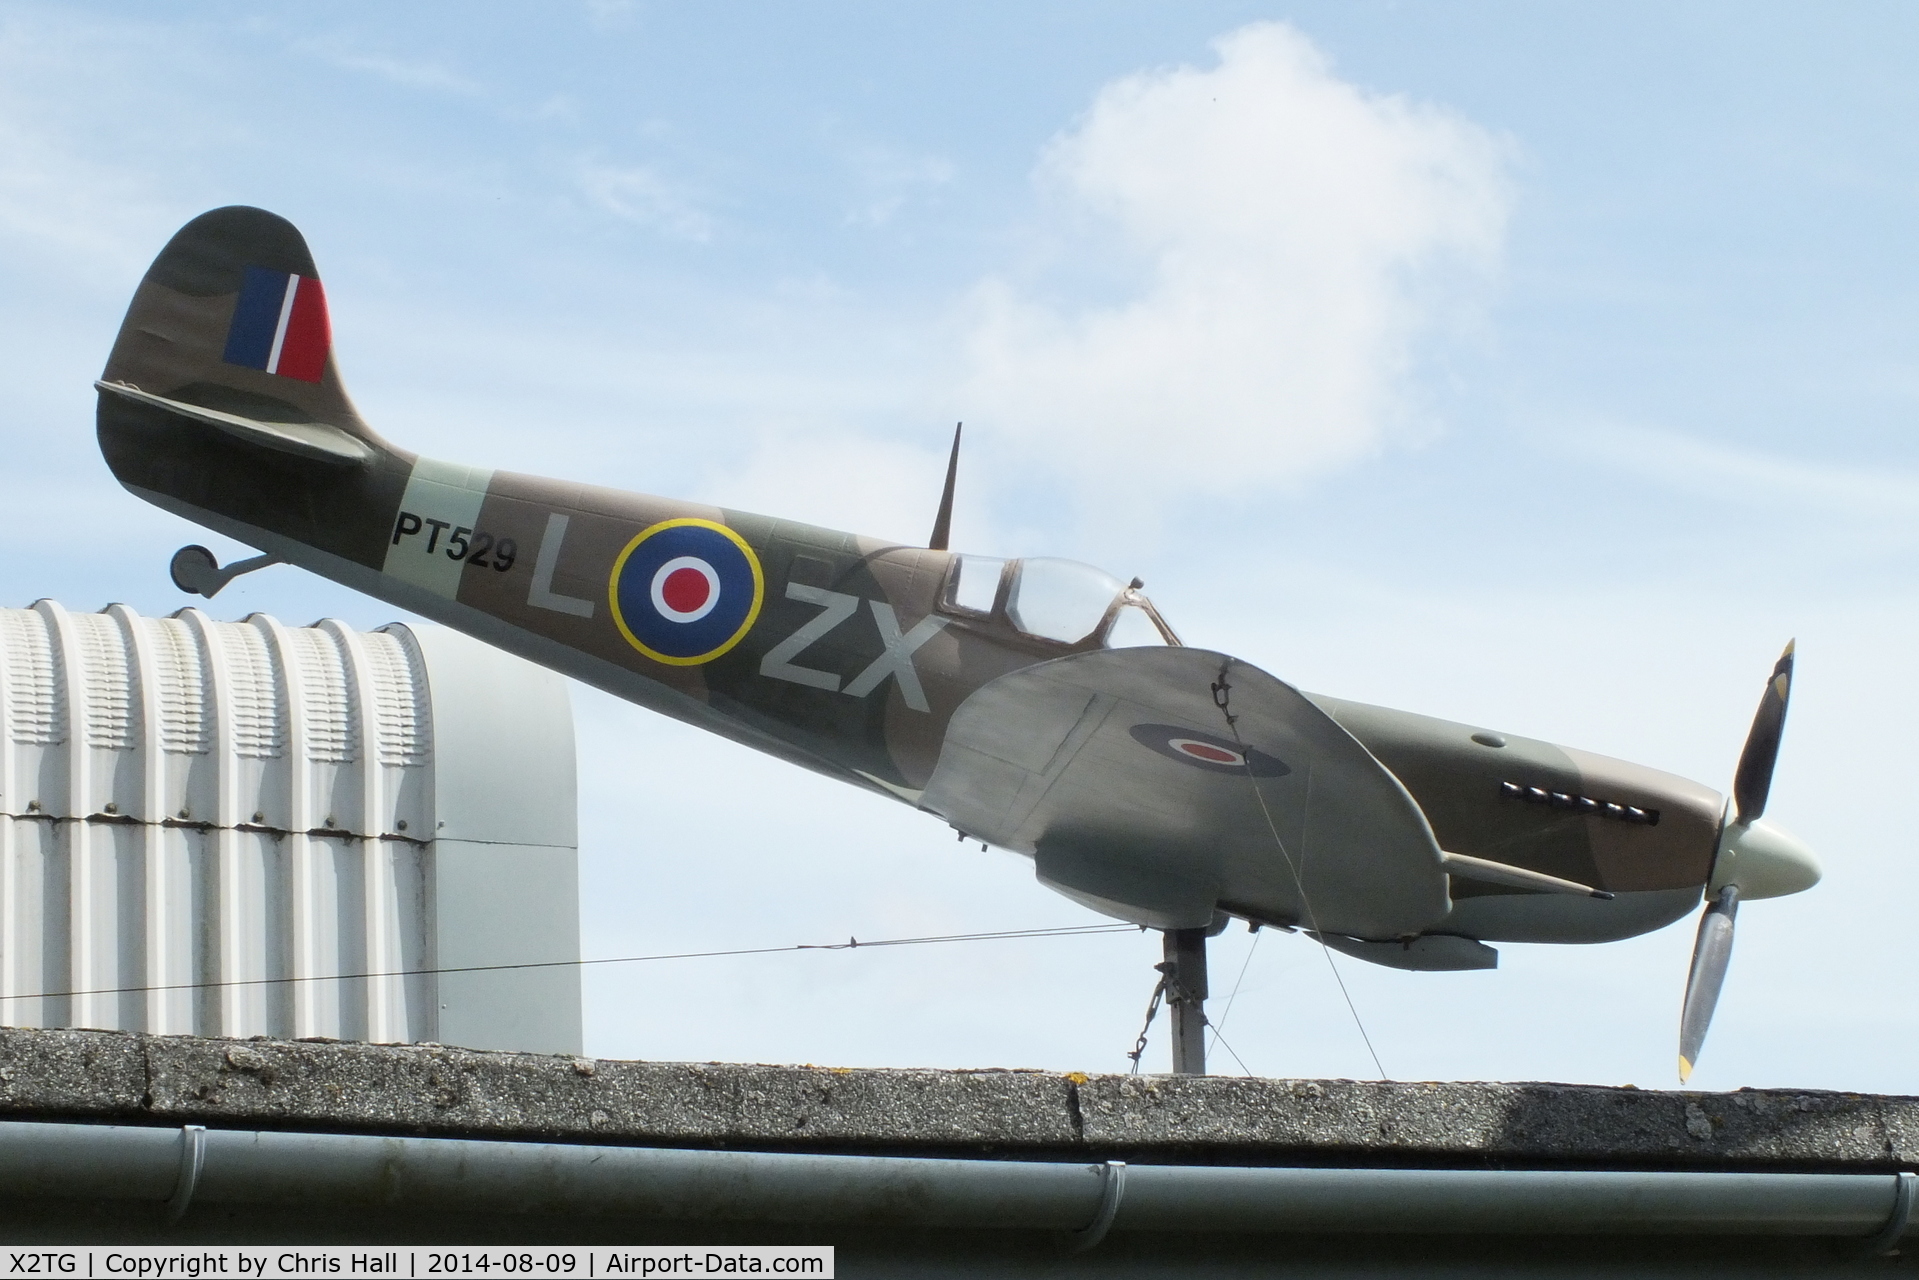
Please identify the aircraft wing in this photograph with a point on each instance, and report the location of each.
(1117, 771)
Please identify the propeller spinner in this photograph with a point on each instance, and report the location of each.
(1755, 860)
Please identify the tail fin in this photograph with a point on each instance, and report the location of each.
(229, 328)
(221, 401)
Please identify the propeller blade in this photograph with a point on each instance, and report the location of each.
(1710, 954)
(1754, 779)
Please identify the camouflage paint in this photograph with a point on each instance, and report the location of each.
(822, 677)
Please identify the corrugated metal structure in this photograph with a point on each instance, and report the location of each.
(248, 828)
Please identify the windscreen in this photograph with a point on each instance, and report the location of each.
(1061, 600)
(1133, 626)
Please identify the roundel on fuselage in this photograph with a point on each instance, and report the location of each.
(685, 591)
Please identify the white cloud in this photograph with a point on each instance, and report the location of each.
(889, 178)
(640, 195)
(837, 480)
(410, 73)
(71, 183)
(53, 198)
(1297, 235)
(1748, 475)
(605, 14)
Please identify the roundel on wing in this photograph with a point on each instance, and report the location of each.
(685, 591)
(1205, 751)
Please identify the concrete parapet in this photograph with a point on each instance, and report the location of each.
(431, 1090)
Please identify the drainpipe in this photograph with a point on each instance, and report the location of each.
(1081, 1201)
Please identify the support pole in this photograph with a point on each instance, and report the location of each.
(1185, 970)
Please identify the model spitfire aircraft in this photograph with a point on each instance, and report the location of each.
(1040, 705)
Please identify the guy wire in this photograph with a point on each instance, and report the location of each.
(1228, 1012)
(1222, 697)
(851, 944)
(1221, 1041)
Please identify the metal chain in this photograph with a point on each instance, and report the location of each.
(1152, 1010)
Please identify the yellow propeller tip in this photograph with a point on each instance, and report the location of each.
(1789, 647)
(1685, 1069)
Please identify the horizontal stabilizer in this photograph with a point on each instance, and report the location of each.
(315, 440)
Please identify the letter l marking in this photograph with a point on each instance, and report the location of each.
(542, 595)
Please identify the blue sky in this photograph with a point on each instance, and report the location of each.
(1554, 365)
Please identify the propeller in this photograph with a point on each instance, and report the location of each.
(1752, 782)
(1711, 952)
(1755, 859)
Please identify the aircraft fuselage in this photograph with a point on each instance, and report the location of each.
(856, 656)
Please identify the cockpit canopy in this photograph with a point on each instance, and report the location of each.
(1061, 601)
